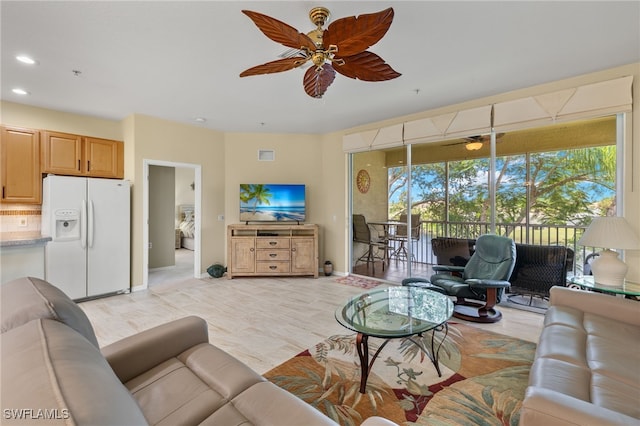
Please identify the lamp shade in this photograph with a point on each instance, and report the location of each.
(610, 232)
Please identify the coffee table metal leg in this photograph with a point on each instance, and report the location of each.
(362, 345)
(434, 355)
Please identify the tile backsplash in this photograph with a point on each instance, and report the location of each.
(20, 218)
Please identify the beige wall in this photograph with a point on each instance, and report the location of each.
(184, 193)
(162, 216)
(45, 119)
(162, 140)
(298, 159)
(333, 213)
(316, 160)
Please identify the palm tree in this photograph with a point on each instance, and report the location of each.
(260, 194)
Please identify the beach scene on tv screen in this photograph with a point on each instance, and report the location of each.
(272, 202)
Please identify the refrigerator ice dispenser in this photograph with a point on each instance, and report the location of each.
(67, 225)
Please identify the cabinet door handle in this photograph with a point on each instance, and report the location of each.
(78, 165)
(88, 165)
(273, 243)
(251, 249)
(272, 255)
(3, 192)
(273, 267)
(293, 249)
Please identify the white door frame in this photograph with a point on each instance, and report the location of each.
(197, 169)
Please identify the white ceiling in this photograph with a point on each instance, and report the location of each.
(181, 60)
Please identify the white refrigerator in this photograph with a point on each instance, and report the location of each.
(88, 220)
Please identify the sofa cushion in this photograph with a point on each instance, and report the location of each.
(205, 385)
(266, 404)
(48, 366)
(192, 386)
(589, 357)
(25, 299)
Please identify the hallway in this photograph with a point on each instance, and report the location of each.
(182, 270)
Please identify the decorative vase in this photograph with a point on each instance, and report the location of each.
(328, 268)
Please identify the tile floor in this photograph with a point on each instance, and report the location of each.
(261, 321)
(182, 269)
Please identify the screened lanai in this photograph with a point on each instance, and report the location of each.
(539, 185)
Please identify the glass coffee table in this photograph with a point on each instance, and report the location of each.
(392, 313)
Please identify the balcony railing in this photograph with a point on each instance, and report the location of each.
(539, 234)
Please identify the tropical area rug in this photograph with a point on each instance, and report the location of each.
(484, 377)
(356, 281)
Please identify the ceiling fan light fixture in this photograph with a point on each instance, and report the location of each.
(473, 146)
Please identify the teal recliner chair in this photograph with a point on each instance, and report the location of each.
(482, 280)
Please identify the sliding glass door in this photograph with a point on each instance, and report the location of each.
(546, 184)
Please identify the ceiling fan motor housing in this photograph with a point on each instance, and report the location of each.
(319, 16)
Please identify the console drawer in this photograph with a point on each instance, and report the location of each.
(274, 243)
(272, 267)
(270, 255)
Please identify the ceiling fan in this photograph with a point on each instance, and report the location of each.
(339, 48)
(474, 143)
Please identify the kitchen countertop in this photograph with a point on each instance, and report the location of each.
(13, 239)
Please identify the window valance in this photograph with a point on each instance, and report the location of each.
(588, 101)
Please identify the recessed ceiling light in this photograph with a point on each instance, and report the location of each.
(200, 120)
(26, 59)
(19, 91)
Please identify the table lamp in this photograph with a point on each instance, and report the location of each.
(609, 232)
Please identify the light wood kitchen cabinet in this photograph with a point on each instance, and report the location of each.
(75, 155)
(62, 153)
(272, 249)
(21, 178)
(104, 158)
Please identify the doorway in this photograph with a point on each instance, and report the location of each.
(171, 212)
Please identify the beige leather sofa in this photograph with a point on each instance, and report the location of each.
(53, 372)
(587, 364)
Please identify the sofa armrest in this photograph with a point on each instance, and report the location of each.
(140, 352)
(550, 408)
(604, 305)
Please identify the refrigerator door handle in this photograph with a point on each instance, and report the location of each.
(90, 233)
(83, 225)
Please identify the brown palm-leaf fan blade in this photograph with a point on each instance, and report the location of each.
(366, 66)
(280, 32)
(317, 80)
(279, 65)
(355, 34)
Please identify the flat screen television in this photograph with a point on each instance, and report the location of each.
(272, 203)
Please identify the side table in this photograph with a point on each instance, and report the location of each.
(630, 290)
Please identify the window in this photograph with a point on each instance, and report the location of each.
(549, 182)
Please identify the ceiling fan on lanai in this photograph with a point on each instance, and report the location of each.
(474, 143)
(341, 47)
